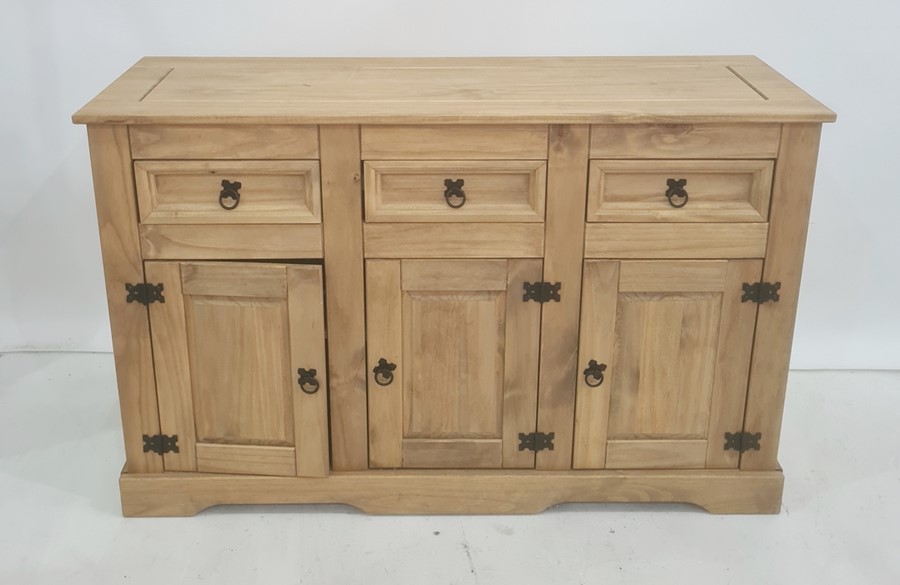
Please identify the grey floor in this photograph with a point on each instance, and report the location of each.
(61, 452)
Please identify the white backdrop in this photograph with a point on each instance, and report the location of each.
(56, 55)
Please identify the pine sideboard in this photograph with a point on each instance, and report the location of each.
(452, 285)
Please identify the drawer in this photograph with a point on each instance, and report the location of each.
(206, 192)
(679, 191)
(224, 142)
(450, 142)
(737, 141)
(455, 191)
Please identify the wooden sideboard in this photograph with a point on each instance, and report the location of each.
(452, 285)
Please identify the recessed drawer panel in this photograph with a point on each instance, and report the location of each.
(450, 142)
(224, 142)
(221, 192)
(679, 191)
(455, 191)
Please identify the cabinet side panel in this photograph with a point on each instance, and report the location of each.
(788, 224)
(567, 170)
(129, 322)
(344, 294)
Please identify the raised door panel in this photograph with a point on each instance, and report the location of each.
(464, 347)
(229, 344)
(670, 343)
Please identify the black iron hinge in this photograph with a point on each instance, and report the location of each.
(536, 441)
(160, 444)
(541, 292)
(144, 293)
(742, 441)
(761, 292)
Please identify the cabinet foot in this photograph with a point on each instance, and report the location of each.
(455, 492)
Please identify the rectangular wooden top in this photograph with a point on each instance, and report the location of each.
(181, 90)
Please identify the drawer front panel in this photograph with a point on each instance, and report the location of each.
(679, 191)
(685, 141)
(224, 142)
(194, 192)
(457, 191)
(454, 142)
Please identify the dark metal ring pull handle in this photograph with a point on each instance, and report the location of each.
(676, 193)
(593, 374)
(384, 372)
(307, 380)
(230, 191)
(454, 193)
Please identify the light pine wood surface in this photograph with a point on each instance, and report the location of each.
(458, 398)
(128, 322)
(188, 192)
(574, 90)
(495, 191)
(635, 191)
(457, 492)
(392, 211)
(228, 341)
(344, 295)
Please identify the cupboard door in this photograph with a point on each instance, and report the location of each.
(452, 361)
(229, 344)
(665, 352)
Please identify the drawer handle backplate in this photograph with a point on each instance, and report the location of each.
(454, 194)
(593, 374)
(308, 381)
(384, 372)
(676, 193)
(230, 191)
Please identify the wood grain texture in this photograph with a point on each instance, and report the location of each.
(672, 454)
(238, 242)
(175, 192)
(566, 180)
(452, 453)
(521, 364)
(472, 275)
(736, 329)
(459, 240)
(686, 141)
(457, 142)
(661, 378)
(665, 276)
(121, 252)
(718, 190)
(459, 492)
(384, 334)
(172, 366)
(306, 315)
(249, 459)
(224, 142)
(241, 377)
(455, 348)
(597, 339)
(344, 295)
(788, 224)
(580, 90)
(233, 279)
(707, 240)
(495, 191)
